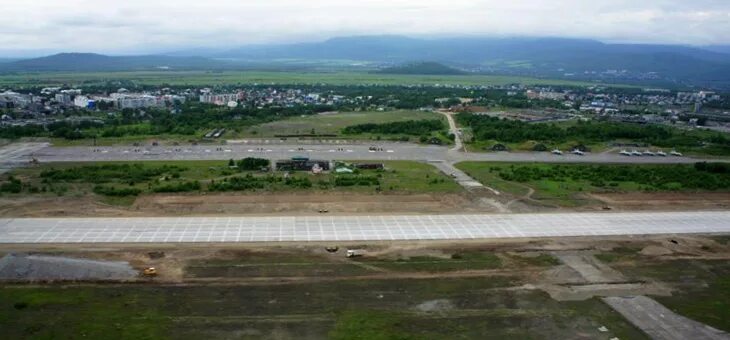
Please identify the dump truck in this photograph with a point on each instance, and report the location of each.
(355, 252)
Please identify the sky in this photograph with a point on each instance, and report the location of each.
(151, 26)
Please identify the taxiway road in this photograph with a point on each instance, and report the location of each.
(276, 150)
(355, 228)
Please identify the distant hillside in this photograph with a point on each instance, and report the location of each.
(88, 62)
(718, 48)
(422, 68)
(543, 57)
(573, 59)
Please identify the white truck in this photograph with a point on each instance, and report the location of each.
(355, 252)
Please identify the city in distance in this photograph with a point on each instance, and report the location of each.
(369, 170)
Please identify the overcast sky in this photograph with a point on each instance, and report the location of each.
(134, 26)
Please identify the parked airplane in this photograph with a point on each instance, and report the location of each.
(578, 152)
(661, 153)
(557, 152)
(675, 153)
(636, 153)
(649, 153)
(625, 153)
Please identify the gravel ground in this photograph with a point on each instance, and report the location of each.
(22, 267)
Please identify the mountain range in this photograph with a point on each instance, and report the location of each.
(540, 57)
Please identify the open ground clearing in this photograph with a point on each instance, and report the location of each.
(620, 186)
(206, 187)
(168, 188)
(202, 78)
(332, 123)
(327, 125)
(407, 290)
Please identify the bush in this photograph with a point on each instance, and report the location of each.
(13, 185)
(411, 127)
(346, 181)
(179, 187)
(250, 163)
(247, 182)
(664, 177)
(117, 192)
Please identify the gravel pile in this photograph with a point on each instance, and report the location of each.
(21, 267)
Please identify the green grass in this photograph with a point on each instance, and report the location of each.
(399, 177)
(333, 123)
(541, 260)
(59, 313)
(481, 172)
(701, 287)
(207, 78)
(349, 309)
(618, 254)
(567, 190)
(471, 260)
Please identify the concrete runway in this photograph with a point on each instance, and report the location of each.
(356, 228)
(344, 150)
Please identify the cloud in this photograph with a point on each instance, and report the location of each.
(144, 25)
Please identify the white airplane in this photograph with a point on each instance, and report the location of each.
(557, 152)
(578, 152)
(661, 153)
(675, 153)
(636, 153)
(625, 153)
(649, 153)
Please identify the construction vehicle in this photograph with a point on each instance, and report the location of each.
(149, 272)
(355, 252)
(332, 249)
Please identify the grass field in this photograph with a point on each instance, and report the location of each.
(333, 123)
(305, 294)
(336, 310)
(204, 78)
(702, 286)
(398, 177)
(327, 124)
(568, 190)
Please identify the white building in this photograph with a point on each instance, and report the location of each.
(220, 99)
(63, 98)
(138, 102)
(82, 101)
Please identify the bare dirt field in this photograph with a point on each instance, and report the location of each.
(665, 200)
(546, 288)
(234, 204)
(342, 203)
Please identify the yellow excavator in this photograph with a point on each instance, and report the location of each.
(149, 272)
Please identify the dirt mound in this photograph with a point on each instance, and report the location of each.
(43, 268)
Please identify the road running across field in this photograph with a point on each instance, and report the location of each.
(323, 150)
(356, 228)
(18, 153)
